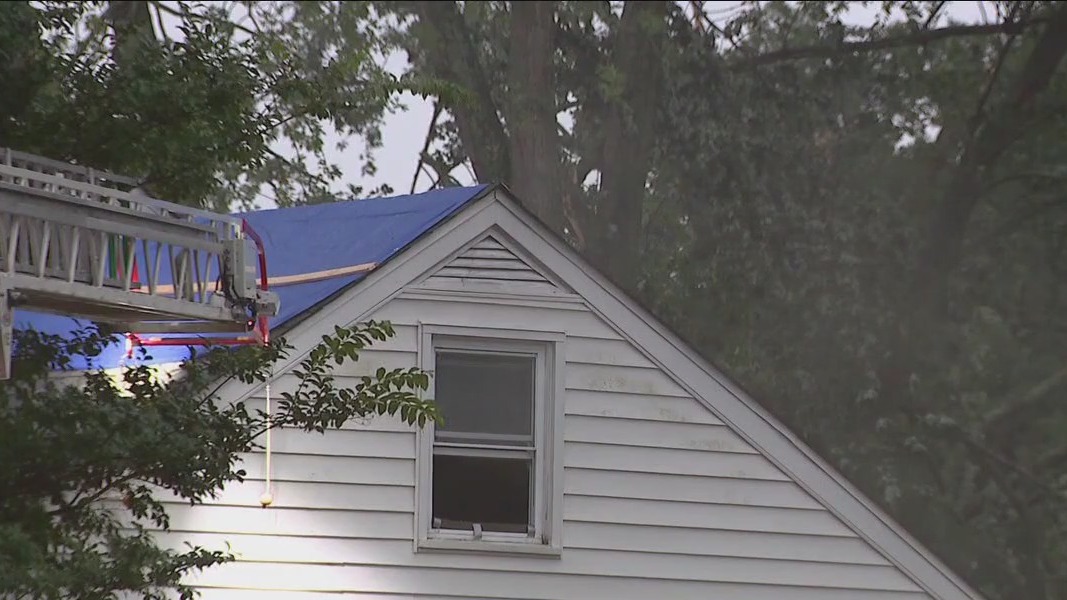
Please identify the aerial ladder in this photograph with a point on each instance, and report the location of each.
(89, 244)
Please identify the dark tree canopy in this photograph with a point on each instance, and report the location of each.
(863, 224)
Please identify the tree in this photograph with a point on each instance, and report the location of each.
(592, 61)
(612, 85)
(222, 115)
(804, 293)
(88, 468)
(862, 224)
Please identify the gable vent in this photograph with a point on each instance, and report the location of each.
(489, 263)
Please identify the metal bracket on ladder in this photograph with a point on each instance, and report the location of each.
(88, 244)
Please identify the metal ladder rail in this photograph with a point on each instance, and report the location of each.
(105, 187)
(71, 244)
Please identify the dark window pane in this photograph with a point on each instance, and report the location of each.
(494, 492)
(487, 394)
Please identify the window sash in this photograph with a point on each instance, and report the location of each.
(484, 451)
(526, 455)
(500, 348)
(530, 454)
(528, 403)
(473, 438)
(539, 498)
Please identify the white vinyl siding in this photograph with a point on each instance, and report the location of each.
(660, 498)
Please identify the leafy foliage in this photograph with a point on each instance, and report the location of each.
(224, 115)
(91, 460)
(209, 111)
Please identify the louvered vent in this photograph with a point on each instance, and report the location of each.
(489, 263)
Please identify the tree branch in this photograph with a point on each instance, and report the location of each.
(1007, 463)
(160, 24)
(446, 47)
(699, 20)
(426, 145)
(163, 8)
(916, 38)
(1027, 399)
(1016, 221)
(987, 91)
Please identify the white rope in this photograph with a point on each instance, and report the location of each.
(267, 498)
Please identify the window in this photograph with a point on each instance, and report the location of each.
(484, 456)
(488, 474)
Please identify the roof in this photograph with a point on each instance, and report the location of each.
(301, 240)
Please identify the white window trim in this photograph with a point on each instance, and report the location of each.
(548, 486)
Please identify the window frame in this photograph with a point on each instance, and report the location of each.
(547, 493)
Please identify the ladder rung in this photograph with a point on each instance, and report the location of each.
(187, 327)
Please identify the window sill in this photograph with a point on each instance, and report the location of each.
(483, 547)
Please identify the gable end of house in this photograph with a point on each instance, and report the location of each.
(493, 251)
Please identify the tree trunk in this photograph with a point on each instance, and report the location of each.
(446, 46)
(628, 138)
(527, 154)
(535, 176)
(132, 23)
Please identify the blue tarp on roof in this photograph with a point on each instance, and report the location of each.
(306, 239)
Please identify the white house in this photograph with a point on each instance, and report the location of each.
(597, 458)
